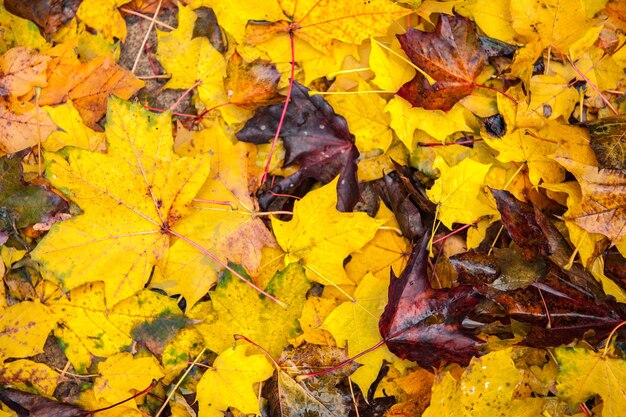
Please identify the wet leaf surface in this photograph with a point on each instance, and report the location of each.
(423, 324)
(315, 138)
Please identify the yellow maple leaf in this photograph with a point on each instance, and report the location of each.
(230, 382)
(234, 19)
(123, 374)
(104, 16)
(314, 312)
(236, 308)
(73, 131)
(132, 197)
(322, 237)
(485, 389)
(366, 118)
(406, 119)
(390, 70)
(24, 328)
(457, 192)
(192, 60)
(584, 373)
(320, 21)
(355, 323)
(19, 32)
(26, 375)
(86, 329)
(388, 249)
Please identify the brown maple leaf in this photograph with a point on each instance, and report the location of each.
(602, 208)
(451, 55)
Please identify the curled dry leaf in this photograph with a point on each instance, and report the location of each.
(252, 84)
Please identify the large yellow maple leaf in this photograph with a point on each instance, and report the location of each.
(319, 22)
(222, 219)
(322, 237)
(131, 197)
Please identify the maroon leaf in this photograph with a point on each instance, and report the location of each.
(451, 55)
(315, 138)
(554, 308)
(423, 324)
(395, 195)
(519, 220)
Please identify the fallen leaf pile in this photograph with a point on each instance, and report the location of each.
(312, 208)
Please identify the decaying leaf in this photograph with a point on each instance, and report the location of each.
(315, 138)
(26, 204)
(315, 396)
(602, 208)
(38, 405)
(555, 310)
(608, 141)
(451, 55)
(48, 15)
(250, 84)
(88, 84)
(28, 127)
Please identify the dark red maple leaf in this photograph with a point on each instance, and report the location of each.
(423, 324)
(555, 309)
(316, 138)
(451, 55)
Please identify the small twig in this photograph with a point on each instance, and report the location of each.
(180, 380)
(143, 16)
(152, 77)
(145, 39)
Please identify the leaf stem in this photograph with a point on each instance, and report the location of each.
(342, 364)
(608, 339)
(145, 39)
(150, 388)
(226, 266)
(143, 16)
(180, 380)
